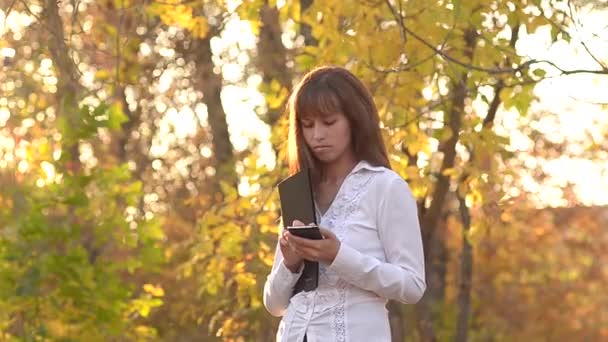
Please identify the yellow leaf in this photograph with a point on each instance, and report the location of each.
(255, 302)
(156, 291)
(239, 267)
(266, 258)
(450, 172)
(102, 75)
(199, 27)
(411, 172)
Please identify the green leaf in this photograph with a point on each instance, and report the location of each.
(116, 117)
(30, 283)
(443, 134)
(154, 232)
(77, 198)
(539, 72)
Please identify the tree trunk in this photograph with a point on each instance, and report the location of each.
(68, 85)
(68, 94)
(466, 258)
(435, 249)
(122, 136)
(435, 260)
(396, 321)
(433, 237)
(466, 275)
(306, 29)
(210, 84)
(271, 60)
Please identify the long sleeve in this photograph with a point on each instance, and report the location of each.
(279, 285)
(401, 277)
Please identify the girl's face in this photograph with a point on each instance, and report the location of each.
(327, 135)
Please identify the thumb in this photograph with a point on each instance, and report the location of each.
(328, 234)
(297, 223)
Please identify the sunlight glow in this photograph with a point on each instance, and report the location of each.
(8, 52)
(23, 166)
(48, 169)
(5, 114)
(574, 98)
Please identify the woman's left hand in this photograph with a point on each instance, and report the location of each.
(316, 250)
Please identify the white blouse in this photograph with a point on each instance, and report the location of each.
(374, 215)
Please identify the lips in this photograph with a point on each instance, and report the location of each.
(321, 148)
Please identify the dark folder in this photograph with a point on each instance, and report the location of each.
(297, 203)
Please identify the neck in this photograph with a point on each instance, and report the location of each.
(336, 171)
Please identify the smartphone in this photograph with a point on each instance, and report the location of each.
(308, 232)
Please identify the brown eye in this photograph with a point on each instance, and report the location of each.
(329, 123)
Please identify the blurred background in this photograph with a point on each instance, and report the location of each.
(141, 142)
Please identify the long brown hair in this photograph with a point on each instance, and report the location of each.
(328, 90)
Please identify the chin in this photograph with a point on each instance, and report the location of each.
(326, 159)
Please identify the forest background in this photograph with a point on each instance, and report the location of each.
(141, 142)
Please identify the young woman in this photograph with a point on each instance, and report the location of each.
(372, 246)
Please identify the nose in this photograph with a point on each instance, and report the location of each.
(318, 132)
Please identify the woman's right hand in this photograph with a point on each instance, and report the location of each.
(291, 260)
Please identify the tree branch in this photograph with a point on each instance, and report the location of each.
(469, 66)
(9, 9)
(29, 11)
(400, 19)
(575, 71)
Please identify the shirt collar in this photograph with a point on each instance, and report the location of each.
(364, 164)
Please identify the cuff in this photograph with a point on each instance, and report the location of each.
(346, 261)
(285, 276)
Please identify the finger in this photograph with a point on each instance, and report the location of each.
(327, 234)
(291, 245)
(300, 253)
(309, 254)
(283, 241)
(302, 242)
(293, 248)
(297, 223)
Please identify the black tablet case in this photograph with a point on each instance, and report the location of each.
(297, 203)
